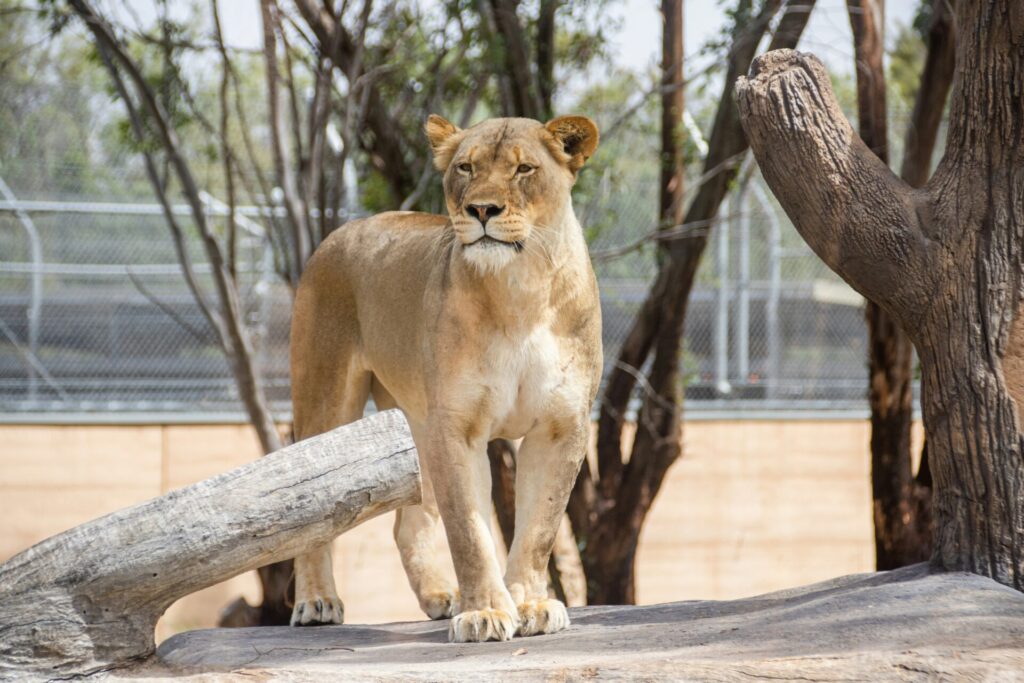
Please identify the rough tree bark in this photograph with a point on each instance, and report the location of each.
(88, 599)
(902, 502)
(608, 511)
(945, 261)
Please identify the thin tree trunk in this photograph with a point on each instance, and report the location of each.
(608, 514)
(502, 455)
(673, 104)
(945, 261)
(232, 334)
(609, 563)
(890, 352)
(516, 55)
(902, 511)
(546, 56)
(295, 208)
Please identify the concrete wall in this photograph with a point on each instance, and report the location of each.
(752, 506)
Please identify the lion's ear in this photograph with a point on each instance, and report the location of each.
(577, 136)
(444, 140)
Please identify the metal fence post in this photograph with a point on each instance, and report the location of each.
(35, 305)
(722, 385)
(772, 369)
(743, 281)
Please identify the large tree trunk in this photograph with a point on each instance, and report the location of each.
(608, 514)
(88, 600)
(946, 262)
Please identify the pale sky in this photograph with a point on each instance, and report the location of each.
(827, 35)
(638, 41)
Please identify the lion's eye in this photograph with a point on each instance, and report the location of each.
(464, 168)
(524, 169)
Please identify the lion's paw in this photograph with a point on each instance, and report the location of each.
(542, 616)
(477, 626)
(441, 604)
(318, 611)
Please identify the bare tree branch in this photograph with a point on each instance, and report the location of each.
(298, 215)
(386, 146)
(235, 338)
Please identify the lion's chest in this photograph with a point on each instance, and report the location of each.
(522, 383)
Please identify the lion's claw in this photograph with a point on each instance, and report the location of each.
(441, 605)
(318, 611)
(477, 626)
(542, 616)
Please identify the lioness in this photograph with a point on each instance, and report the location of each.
(479, 325)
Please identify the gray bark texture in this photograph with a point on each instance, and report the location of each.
(945, 261)
(88, 600)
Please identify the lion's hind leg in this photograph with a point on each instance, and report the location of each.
(323, 401)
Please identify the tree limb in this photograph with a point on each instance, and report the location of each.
(845, 202)
(545, 56)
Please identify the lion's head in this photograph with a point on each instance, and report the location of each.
(507, 181)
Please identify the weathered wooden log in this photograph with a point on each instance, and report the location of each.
(88, 600)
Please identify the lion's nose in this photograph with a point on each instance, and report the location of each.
(485, 212)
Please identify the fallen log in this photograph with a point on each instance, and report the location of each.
(88, 599)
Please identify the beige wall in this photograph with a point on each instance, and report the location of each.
(751, 507)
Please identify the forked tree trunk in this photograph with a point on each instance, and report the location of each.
(945, 261)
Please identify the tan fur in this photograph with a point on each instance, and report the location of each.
(473, 340)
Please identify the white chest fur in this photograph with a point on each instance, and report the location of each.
(523, 383)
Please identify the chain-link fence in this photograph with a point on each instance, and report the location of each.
(95, 316)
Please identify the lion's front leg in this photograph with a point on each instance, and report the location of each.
(547, 465)
(461, 478)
